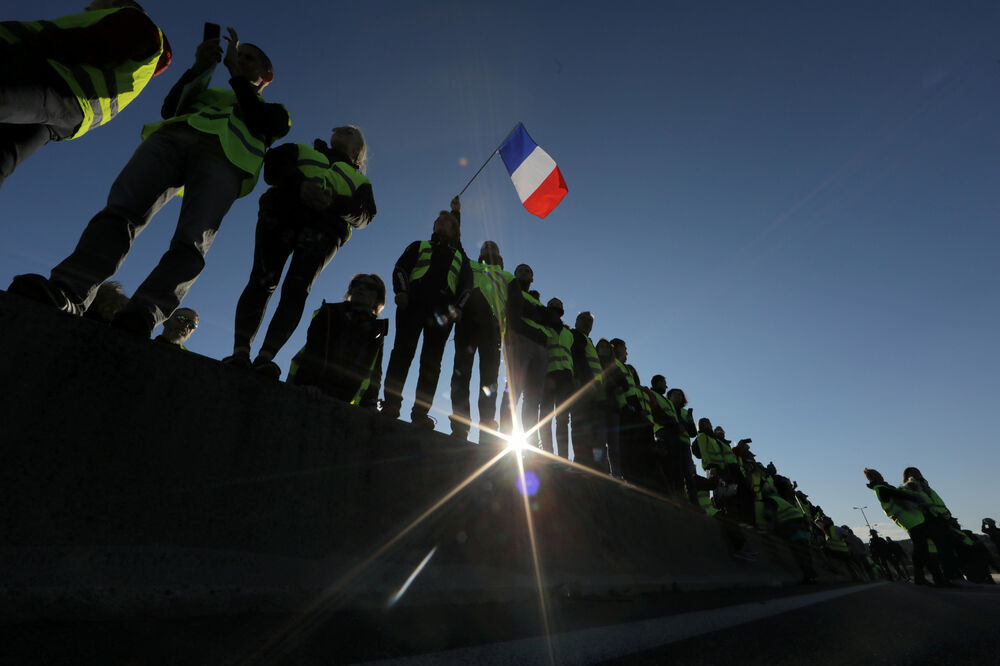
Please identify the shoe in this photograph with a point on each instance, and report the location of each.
(240, 359)
(389, 411)
(920, 581)
(37, 288)
(138, 323)
(422, 421)
(267, 369)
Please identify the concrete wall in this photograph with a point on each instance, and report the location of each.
(137, 477)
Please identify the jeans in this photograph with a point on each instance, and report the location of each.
(175, 156)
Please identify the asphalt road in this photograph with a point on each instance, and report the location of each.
(887, 623)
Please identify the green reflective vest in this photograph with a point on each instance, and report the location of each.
(937, 507)
(339, 178)
(593, 360)
(423, 264)
(834, 542)
(531, 322)
(714, 453)
(663, 404)
(492, 281)
(786, 510)
(216, 113)
(637, 392)
(559, 347)
(705, 501)
(102, 92)
(906, 516)
(613, 387)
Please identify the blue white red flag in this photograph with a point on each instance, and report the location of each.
(537, 179)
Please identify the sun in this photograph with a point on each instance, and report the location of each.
(517, 440)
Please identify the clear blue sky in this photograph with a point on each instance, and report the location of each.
(788, 209)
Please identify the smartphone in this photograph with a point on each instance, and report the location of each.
(212, 31)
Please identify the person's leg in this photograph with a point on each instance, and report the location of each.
(465, 353)
(435, 340)
(18, 143)
(584, 433)
(211, 185)
(514, 370)
(546, 411)
(312, 254)
(151, 177)
(489, 370)
(536, 365)
(36, 106)
(612, 422)
(409, 324)
(564, 390)
(273, 245)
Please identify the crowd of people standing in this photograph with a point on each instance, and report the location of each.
(564, 392)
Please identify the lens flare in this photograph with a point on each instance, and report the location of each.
(528, 484)
(463, 161)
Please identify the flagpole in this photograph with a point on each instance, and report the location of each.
(488, 159)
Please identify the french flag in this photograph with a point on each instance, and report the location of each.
(537, 179)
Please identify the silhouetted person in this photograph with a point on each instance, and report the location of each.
(318, 195)
(61, 78)
(211, 144)
(481, 330)
(615, 388)
(526, 354)
(990, 529)
(431, 280)
(636, 422)
(342, 357)
(558, 380)
(586, 412)
(904, 507)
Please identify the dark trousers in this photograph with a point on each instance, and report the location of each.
(411, 321)
(612, 439)
(172, 157)
(277, 239)
(36, 106)
(558, 391)
(587, 426)
(636, 436)
(921, 559)
(472, 335)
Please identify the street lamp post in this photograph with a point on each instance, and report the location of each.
(862, 510)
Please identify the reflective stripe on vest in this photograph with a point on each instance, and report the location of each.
(102, 92)
(423, 264)
(833, 542)
(636, 391)
(937, 506)
(593, 360)
(314, 165)
(663, 404)
(786, 511)
(366, 383)
(559, 351)
(905, 517)
(215, 113)
(492, 281)
(531, 322)
(714, 453)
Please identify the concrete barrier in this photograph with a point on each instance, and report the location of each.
(138, 477)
